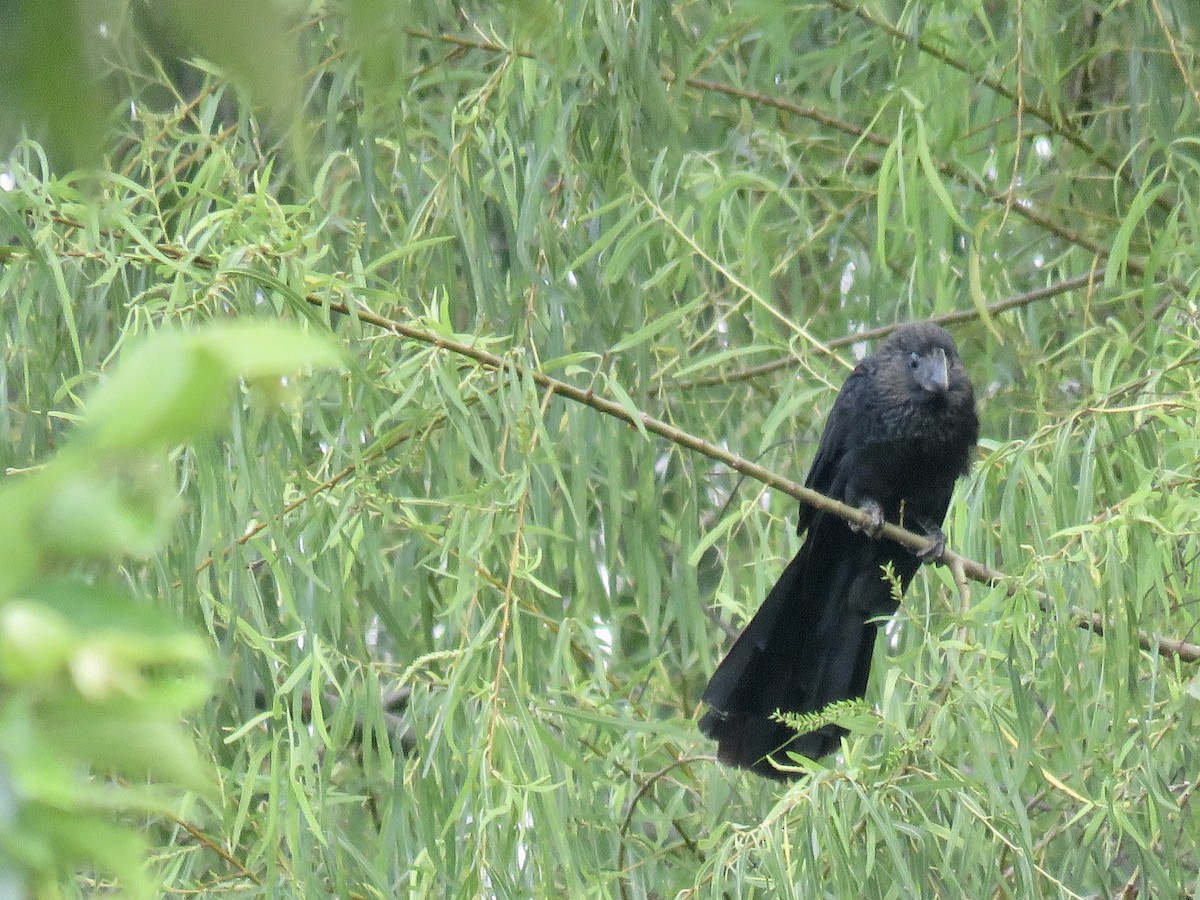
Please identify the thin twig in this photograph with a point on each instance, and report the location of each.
(215, 847)
(645, 786)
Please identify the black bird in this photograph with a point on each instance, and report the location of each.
(900, 433)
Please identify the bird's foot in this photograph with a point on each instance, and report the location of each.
(936, 548)
(873, 527)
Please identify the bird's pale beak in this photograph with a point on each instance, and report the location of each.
(932, 372)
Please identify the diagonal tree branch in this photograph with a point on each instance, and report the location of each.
(1176, 647)
(974, 570)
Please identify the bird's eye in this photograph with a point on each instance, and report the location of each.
(914, 360)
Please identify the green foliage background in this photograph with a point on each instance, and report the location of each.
(694, 210)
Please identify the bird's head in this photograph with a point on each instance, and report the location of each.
(927, 355)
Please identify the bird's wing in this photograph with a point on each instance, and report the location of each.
(848, 406)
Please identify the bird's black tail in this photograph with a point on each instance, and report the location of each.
(809, 645)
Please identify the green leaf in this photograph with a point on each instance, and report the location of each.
(175, 388)
(266, 349)
(629, 406)
(934, 179)
(162, 394)
(658, 326)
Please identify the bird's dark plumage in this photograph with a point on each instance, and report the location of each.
(900, 433)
